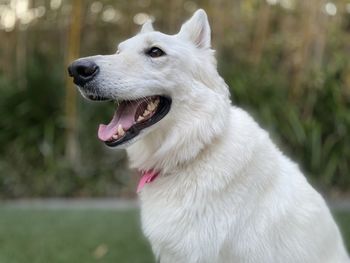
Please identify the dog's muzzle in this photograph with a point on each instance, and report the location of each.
(83, 71)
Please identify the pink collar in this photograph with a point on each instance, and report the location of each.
(146, 178)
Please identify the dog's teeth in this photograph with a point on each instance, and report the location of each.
(140, 118)
(146, 112)
(151, 106)
(121, 132)
(156, 102)
(115, 136)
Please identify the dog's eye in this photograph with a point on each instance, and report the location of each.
(155, 52)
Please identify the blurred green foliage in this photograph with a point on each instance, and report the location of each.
(313, 129)
(287, 65)
(32, 159)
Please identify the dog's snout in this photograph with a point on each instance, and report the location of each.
(83, 71)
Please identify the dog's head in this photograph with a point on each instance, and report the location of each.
(153, 77)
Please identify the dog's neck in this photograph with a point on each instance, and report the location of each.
(183, 135)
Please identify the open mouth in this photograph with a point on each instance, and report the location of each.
(131, 117)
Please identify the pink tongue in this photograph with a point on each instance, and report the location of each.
(124, 116)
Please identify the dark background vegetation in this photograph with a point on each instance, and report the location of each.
(286, 61)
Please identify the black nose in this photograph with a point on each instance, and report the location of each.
(83, 71)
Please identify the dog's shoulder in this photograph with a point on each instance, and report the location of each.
(245, 130)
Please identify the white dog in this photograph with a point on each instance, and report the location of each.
(214, 187)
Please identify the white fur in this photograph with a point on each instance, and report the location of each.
(225, 192)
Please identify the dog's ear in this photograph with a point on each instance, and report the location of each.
(147, 27)
(197, 29)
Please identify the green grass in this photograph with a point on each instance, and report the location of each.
(67, 236)
(81, 236)
(343, 220)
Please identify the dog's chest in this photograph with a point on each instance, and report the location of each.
(180, 221)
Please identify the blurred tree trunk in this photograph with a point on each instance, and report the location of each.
(175, 7)
(218, 22)
(7, 54)
(261, 32)
(72, 145)
(309, 11)
(234, 18)
(21, 55)
(320, 37)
